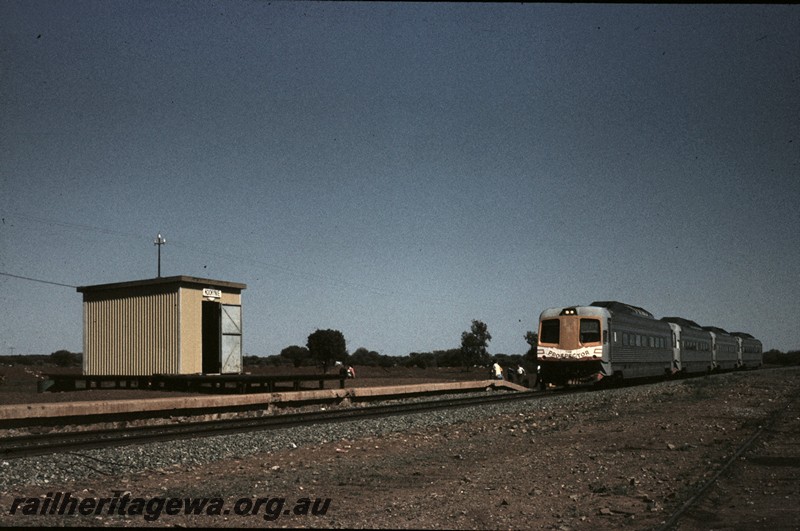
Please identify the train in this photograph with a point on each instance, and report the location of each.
(608, 341)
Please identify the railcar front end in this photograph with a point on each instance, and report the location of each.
(573, 345)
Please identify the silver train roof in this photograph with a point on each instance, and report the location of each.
(599, 308)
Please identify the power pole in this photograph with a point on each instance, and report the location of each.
(159, 241)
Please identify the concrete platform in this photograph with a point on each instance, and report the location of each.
(204, 403)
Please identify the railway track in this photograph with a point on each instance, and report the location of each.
(678, 516)
(56, 442)
(59, 442)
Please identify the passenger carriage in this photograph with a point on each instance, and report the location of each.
(749, 351)
(691, 346)
(724, 349)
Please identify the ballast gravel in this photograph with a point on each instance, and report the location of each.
(45, 470)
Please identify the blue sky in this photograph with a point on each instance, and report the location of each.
(396, 170)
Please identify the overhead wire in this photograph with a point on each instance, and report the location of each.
(37, 280)
(294, 272)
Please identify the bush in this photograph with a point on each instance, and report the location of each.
(776, 357)
(297, 355)
(65, 358)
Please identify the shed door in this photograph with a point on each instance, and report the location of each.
(231, 339)
(211, 337)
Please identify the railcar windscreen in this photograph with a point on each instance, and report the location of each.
(590, 331)
(551, 331)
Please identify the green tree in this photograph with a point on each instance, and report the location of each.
(297, 354)
(327, 347)
(474, 344)
(532, 339)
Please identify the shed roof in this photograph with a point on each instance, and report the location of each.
(178, 281)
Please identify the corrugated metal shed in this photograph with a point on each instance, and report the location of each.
(166, 325)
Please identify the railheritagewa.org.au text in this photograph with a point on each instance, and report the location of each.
(123, 503)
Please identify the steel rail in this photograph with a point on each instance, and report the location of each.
(59, 442)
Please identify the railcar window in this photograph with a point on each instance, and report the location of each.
(590, 331)
(551, 331)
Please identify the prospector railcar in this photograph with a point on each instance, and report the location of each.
(613, 339)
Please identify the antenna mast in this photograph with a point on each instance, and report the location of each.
(159, 241)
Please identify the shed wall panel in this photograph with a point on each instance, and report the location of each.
(231, 298)
(134, 335)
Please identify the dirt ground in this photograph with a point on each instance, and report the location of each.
(622, 460)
